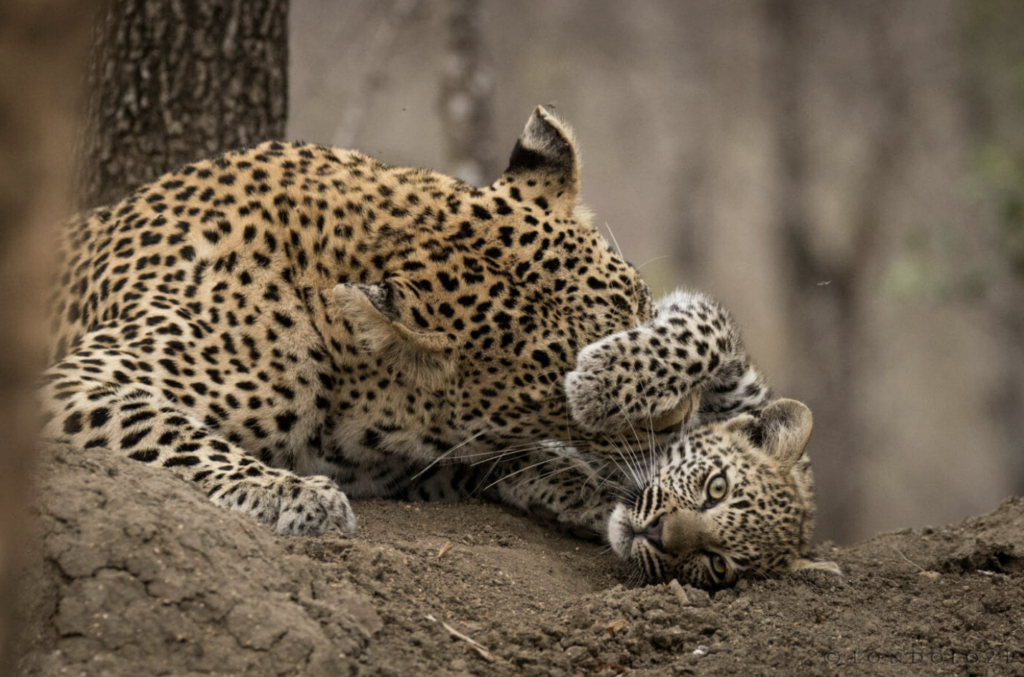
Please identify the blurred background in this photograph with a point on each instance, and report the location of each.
(846, 176)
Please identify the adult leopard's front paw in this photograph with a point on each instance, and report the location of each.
(291, 505)
(312, 507)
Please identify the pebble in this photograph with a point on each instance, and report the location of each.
(740, 606)
(679, 593)
(657, 617)
(697, 597)
(669, 638)
(575, 653)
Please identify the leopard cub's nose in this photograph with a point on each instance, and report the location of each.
(653, 531)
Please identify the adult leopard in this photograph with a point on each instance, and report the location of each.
(291, 323)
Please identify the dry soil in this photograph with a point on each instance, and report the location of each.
(136, 573)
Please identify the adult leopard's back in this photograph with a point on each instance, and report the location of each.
(295, 310)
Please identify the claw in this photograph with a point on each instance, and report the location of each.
(676, 418)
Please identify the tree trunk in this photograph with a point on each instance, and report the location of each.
(172, 82)
(42, 49)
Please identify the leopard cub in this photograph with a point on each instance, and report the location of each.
(734, 492)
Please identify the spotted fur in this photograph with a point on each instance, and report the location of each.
(290, 325)
(632, 379)
(734, 493)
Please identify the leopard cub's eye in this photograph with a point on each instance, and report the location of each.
(718, 564)
(717, 486)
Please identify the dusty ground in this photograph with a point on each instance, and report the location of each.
(138, 575)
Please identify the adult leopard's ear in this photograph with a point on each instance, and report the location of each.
(546, 154)
(374, 314)
(782, 430)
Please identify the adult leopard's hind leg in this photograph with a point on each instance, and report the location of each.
(85, 408)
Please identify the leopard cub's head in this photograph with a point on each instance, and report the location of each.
(727, 499)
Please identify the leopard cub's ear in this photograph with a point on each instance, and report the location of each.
(782, 430)
(787, 428)
(373, 312)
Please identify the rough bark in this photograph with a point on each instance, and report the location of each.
(175, 81)
(467, 97)
(42, 49)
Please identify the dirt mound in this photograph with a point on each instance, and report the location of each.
(139, 577)
(139, 574)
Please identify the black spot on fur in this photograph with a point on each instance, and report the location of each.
(73, 423)
(144, 455)
(186, 461)
(98, 417)
(286, 420)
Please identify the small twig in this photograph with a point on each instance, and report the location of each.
(475, 645)
(444, 549)
(919, 567)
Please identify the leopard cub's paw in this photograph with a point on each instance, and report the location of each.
(619, 387)
(596, 391)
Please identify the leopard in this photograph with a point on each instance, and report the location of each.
(292, 326)
(732, 495)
